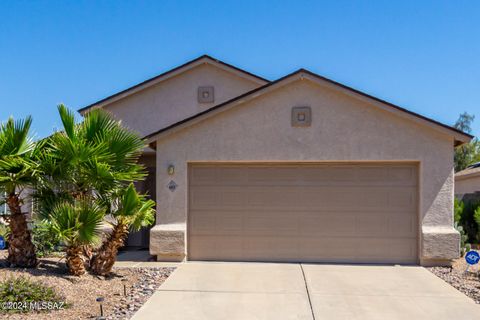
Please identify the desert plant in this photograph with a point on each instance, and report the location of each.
(128, 211)
(45, 239)
(458, 210)
(95, 155)
(4, 231)
(88, 160)
(25, 294)
(77, 224)
(18, 170)
(464, 246)
(468, 247)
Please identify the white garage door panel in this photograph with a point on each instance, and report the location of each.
(324, 213)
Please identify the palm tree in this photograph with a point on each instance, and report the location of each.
(128, 211)
(88, 161)
(77, 224)
(97, 154)
(18, 171)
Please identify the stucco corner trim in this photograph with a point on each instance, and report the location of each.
(440, 243)
(167, 241)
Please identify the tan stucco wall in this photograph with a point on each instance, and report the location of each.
(467, 185)
(175, 99)
(343, 129)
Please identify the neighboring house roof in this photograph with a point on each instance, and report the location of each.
(459, 136)
(470, 172)
(173, 72)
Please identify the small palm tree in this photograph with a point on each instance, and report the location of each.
(87, 160)
(97, 154)
(77, 224)
(18, 170)
(128, 211)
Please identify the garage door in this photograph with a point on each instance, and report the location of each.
(363, 213)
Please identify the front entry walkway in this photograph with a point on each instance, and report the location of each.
(217, 290)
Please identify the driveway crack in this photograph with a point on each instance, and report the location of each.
(308, 293)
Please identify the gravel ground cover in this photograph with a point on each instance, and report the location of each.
(81, 292)
(466, 282)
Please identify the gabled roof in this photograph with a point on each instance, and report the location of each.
(170, 73)
(470, 172)
(460, 137)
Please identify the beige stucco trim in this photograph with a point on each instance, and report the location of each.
(420, 169)
(300, 76)
(172, 74)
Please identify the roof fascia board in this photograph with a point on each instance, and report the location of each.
(467, 176)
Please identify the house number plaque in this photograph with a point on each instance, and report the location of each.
(172, 185)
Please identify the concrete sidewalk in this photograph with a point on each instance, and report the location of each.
(202, 290)
(140, 259)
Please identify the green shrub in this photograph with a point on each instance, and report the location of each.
(458, 208)
(476, 217)
(23, 295)
(45, 239)
(464, 211)
(4, 231)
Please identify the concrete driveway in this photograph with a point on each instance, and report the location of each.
(214, 290)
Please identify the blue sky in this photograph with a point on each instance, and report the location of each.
(422, 55)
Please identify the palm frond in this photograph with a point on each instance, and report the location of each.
(97, 125)
(68, 120)
(17, 172)
(64, 222)
(90, 218)
(133, 209)
(77, 223)
(130, 202)
(14, 137)
(144, 217)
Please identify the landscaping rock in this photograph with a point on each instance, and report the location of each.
(81, 292)
(464, 281)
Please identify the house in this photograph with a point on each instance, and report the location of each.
(467, 182)
(297, 169)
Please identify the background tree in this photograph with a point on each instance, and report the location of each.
(18, 170)
(467, 153)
